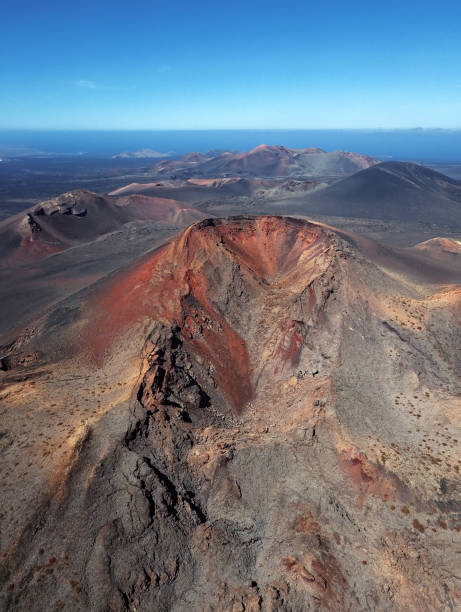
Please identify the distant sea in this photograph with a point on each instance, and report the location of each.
(426, 145)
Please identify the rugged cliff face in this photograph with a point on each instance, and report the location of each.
(276, 428)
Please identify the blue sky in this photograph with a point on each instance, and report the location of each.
(215, 65)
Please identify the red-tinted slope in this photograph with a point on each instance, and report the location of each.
(57, 224)
(78, 217)
(190, 160)
(270, 161)
(445, 249)
(186, 283)
(263, 160)
(195, 190)
(159, 209)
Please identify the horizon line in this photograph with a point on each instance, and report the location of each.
(301, 129)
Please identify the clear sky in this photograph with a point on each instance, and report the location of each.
(234, 64)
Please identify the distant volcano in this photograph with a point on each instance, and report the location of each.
(82, 216)
(270, 161)
(391, 190)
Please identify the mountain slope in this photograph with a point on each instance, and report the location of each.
(261, 414)
(147, 208)
(446, 249)
(271, 161)
(78, 217)
(205, 190)
(190, 190)
(179, 164)
(392, 190)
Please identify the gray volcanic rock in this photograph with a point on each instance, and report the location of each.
(262, 414)
(391, 190)
(234, 192)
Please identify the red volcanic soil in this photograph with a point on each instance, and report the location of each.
(57, 224)
(184, 284)
(81, 216)
(263, 160)
(368, 479)
(191, 190)
(361, 161)
(134, 188)
(446, 249)
(271, 161)
(190, 160)
(219, 194)
(159, 209)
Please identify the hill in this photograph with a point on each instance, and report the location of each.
(391, 190)
(446, 249)
(270, 161)
(78, 217)
(197, 191)
(185, 162)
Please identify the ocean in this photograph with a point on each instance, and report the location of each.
(425, 145)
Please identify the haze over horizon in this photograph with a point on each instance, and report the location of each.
(246, 65)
